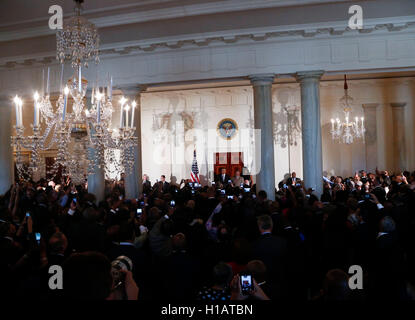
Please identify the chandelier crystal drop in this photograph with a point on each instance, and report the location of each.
(78, 41)
(347, 130)
(79, 129)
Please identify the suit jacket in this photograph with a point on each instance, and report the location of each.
(290, 181)
(219, 179)
(272, 250)
(181, 276)
(162, 186)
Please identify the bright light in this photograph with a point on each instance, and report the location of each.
(66, 90)
(16, 100)
(127, 107)
(134, 104)
(36, 96)
(98, 95)
(87, 112)
(123, 100)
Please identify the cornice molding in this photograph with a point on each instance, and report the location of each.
(398, 104)
(134, 13)
(370, 106)
(328, 30)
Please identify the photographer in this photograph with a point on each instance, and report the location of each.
(87, 276)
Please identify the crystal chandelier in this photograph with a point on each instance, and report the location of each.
(347, 131)
(78, 41)
(83, 136)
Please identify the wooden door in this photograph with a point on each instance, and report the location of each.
(231, 161)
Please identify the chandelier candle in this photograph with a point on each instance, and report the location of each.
(127, 108)
(20, 113)
(80, 80)
(109, 88)
(47, 83)
(36, 108)
(122, 101)
(132, 115)
(93, 95)
(99, 95)
(16, 102)
(43, 82)
(65, 101)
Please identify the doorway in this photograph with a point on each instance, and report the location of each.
(231, 161)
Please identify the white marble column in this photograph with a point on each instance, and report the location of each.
(371, 136)
(134, 181)
(265, 177)
(6, 154)
(311, 129)
(399, 149)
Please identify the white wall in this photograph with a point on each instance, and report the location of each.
(208, 106)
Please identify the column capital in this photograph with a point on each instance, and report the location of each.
(262, 79)
(398, 104)
(370, 105)
(305, 75)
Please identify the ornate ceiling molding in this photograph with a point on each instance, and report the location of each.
(294, 32)
(139, 12)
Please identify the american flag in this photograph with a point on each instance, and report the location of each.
(194, 174)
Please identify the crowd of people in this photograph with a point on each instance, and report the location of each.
(189, 242)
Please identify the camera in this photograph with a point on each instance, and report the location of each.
(247, 284)
(139, 212)
(120, 263)
(38, 236)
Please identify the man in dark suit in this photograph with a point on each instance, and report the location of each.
(223, 179)
(182, 272)
(271, 250)
(387, 259)
(162, 185)
(293, 180)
